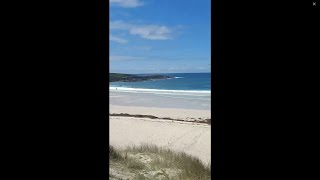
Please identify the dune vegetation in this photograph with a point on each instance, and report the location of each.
(146, 162)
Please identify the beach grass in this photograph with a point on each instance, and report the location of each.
(152, 162)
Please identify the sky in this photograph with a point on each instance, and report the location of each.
(160, 36)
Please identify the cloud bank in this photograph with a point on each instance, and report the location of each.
(151, 32)
(126, 3)
(118, 39)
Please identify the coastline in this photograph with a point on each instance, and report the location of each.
(170, 99)
(173, 120)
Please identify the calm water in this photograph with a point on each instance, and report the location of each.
(181, 81)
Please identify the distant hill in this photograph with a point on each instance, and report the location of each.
(114, 77)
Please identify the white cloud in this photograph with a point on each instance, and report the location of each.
(124, 58)
(118, 39)
(120, 25)
(151, 32)
(126, 3)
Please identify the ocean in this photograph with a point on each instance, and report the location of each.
(184, 90)
(180, 81)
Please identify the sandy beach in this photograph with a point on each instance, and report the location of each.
(191, 137)
(161, 99)
(174, 113)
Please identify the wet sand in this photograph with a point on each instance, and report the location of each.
(187, 135)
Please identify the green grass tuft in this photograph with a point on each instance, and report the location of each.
(164, 162)
(114, 154)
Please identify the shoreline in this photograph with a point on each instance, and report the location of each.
(128, 89)
(177, 121)
(160, 99)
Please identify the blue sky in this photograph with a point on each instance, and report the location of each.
(160, 36)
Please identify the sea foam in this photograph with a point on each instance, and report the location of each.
(161, 91)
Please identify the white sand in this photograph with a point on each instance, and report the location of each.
(174, 113)
(192, 138)
(199, 101)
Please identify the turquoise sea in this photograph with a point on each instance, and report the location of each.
(180, 82)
